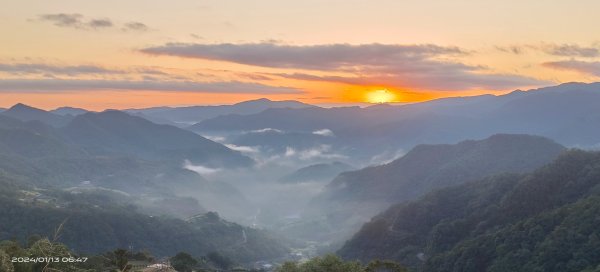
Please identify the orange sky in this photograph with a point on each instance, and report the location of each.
(139, 53)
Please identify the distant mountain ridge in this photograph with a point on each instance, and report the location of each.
(316, 172)
(193, 114)
(69, 111)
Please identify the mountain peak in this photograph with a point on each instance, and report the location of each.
(69, 111)
(21, 106)
(28, 113)
(255, 101)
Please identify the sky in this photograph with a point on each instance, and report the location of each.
(143, 53)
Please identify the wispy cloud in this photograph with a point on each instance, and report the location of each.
(135, 26)
(79, 21)
(41, 68)
(100, 23)
(241, 148)
(584, 67)
(202, 170)
(63, 19)
(267, 130)
(66, 85)
(442, 78)
(324, 132)
(571, 50)
(314, 57)
(54, 70)
(406, 66)
(317, 152)
(562, 50)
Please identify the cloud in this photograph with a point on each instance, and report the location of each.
(403, 66)
(135, 26)
(40, 68)
(218, 139)
(66, 85)
(324, 132)
(54, 71)
(78, 21)
(253, 76)
(266, 130)
(63, 19)
(436, 78)
(386, 157)
(318, 152)
(584, 67)
(314, 57)
(514, 49)
(202, 170)
(289, 152)
(100, 23)
(571, 50)
(562, 50)
(245, 149)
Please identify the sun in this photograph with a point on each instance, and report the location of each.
(380, 96)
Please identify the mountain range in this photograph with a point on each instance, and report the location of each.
(69, 111)
(437, 199)
(120, 181)
(353, 197)
(27, 113)
(367, 132)
(116, 132)
(194, 114)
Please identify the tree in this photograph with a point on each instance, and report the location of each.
(333, 263)
(47, 249)
(219, 260)
(183, 262)
(120, 259)
(5, 263)
(385, 265)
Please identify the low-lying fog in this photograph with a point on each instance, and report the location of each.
(263, 197)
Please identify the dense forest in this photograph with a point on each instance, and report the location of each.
(543, 221)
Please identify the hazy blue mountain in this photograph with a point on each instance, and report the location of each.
(9, 122)
(197, 113)
(115, 132)
(370, 131)
(27, 113)
(156, 119)
(2, 109)
(69, 111)
(353, 197)
(298, 119)
(543, 221)
(317, 172)
(427, 167)
(35, 154)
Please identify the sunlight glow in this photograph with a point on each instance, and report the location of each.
(381, 96)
